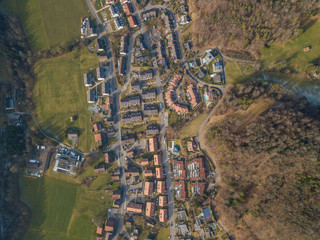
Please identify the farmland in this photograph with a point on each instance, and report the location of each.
(44, 20)
(59, 93)
(62, 209)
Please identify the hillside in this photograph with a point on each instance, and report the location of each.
(265, 142)
(247, 24)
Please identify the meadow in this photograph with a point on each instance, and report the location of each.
(48, 23)
(59, 93)
(62, 210)
(290, 54)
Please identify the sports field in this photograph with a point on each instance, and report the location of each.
(59, 93)
(49, 22)
(291, 53)
(62, 210)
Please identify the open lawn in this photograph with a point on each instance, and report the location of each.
(48, 23)
(291, 55)
(59, 93)
(238, 72)
(163, 234)
(62, 210)
(192, 128)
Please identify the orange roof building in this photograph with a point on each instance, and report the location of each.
(197, 169)
(100, 138)
(126, 9)
(150, 208)
(153, 144)
(144, 162)
(179, 169)
(181, 190)
(97, 126)
(100, 230)
(132, 21)
(134, 207)
(110, 225)
(148, 188)
(163, 201)
(159, 172)
(193, 95)
(157, 159)
(161, 186)
(163, 215)
(198, 188)
(148, 173)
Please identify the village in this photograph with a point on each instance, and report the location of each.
(131, 95)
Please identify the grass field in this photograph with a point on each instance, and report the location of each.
(163, 234)
(49, 22)
(59, 93)
(62, 210)
(192, 128)
(292, 52)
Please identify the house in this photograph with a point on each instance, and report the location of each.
(182, 215)
(159, 172)
(114, 10)
(132, 21)
(149, 15)
(192, 146)
(132, 117)
(73, 134)
(109, 225)
(100, 45)
(100, 168)
(198, 188)
(163, 201)
(149, 94)
(132, 172)
(127, 8)
(152, 129)
(144, 162)
(87, 79)
(135, 86)
(153, 144)
(130, 153)
(127, 140)
(161, 187)
(130, 101)
(150, 208)
(115, 178)
(157, 161)
(97, 127)
(197, 169)
(207, 215)
(148, 173)
(207, 59)
(148, 188)
(163, 215)
(193, 95)
(147, 75)
(134, 207)
(123, 1)
(108, 103)
(87, 30)
(116, 194)
(100, 138)
(195, 63)
(123, 65)
(91, 96)
(217, 66)
(179, 169)
(150, 110)
(184, 9)
(100, 232)
(101, 73)
(106, 88)
(118, 21)
(181, 190)
(108, 157)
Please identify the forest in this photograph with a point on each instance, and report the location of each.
(248, 24)
(269, 164)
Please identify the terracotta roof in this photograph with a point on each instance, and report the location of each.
(163, 201)
(132, 21)
(163, 215)
(159, 172)
(161, 186)
(157, 159)
(148, 188)
(144, 162)
(150, 208)
(153, 144)
(134, 207)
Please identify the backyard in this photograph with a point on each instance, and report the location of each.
(44, 20)
(59, 93)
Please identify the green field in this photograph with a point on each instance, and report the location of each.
(49, 22)
(62, 210)
(59, 93)
(291, 55)
(192, 128)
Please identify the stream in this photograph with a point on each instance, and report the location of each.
(307, 88)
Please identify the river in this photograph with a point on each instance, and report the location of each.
(307, 88)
